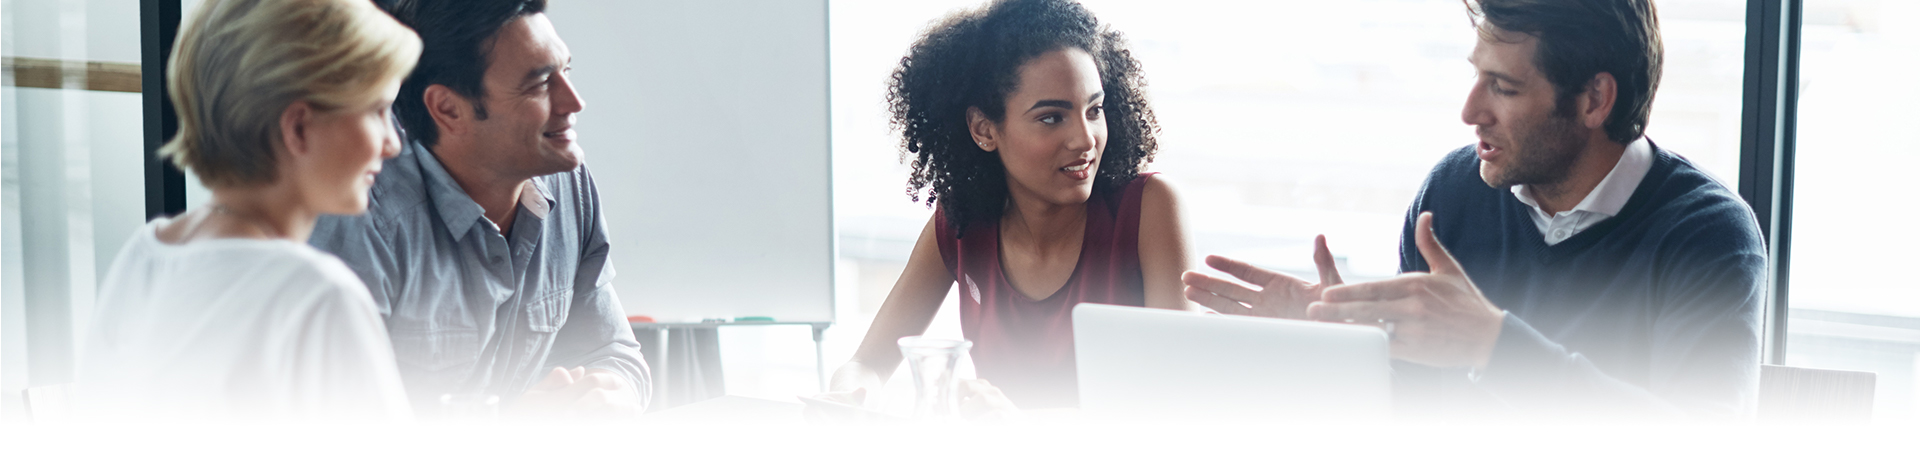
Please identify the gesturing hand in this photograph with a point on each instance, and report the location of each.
(1277, 295)
(1436, 318)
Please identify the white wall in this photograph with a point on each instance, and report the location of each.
(706, 130)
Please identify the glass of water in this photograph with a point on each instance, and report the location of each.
(932, 361)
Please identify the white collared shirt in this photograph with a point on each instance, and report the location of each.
(1604, 202)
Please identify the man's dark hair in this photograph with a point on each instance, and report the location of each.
(456, 37)
(1582, 38)
(972, 59)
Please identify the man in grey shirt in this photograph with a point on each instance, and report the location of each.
(483, 243)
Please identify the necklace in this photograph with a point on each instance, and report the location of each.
(223, 209)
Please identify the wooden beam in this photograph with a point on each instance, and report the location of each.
(54, 73)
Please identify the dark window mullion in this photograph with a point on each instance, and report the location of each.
(166, 186)
(1768, 114)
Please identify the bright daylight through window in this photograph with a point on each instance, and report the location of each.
(1851, 306)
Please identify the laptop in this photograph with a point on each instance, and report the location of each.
(1139, 363)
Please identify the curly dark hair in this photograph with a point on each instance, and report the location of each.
(972, 59)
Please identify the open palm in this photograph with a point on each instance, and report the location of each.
(1274, 294)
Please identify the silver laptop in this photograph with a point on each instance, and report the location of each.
(1143, 363)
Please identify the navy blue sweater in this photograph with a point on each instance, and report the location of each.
(1656, 309)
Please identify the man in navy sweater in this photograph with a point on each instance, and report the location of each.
(1591, 272)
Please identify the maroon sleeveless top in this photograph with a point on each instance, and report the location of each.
(1025, 346)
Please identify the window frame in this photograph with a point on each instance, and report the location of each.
(1769, 110)
(166, 185)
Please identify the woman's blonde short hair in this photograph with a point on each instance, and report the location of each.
(238, 64)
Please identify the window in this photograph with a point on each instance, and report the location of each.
(1851, 308)
(69, 178)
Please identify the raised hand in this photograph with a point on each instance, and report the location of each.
(1438, 318)
(1275, 294)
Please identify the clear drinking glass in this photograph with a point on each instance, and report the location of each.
(932, 361)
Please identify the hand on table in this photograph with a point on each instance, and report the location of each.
(1277, 294)
(579, 392)
(849, 386)
(981, 401)
(852, 407)
(855, 397)
(1438, 318)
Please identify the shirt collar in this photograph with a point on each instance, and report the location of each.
(535, 196)
(457, 209)
(1611, 195)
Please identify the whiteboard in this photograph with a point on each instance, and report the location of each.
(706, 129)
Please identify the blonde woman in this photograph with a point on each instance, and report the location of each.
(225, 311)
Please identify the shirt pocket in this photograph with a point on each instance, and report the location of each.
(547, 314)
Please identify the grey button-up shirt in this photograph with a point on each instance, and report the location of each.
(473, 310)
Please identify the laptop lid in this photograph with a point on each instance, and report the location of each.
(1138, 361)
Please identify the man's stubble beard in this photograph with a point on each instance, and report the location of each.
(1548, 149)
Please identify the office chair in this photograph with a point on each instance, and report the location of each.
(1806, 394)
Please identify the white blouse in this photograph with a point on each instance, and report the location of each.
(235, 329)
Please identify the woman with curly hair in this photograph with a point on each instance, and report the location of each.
(1026, 125)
